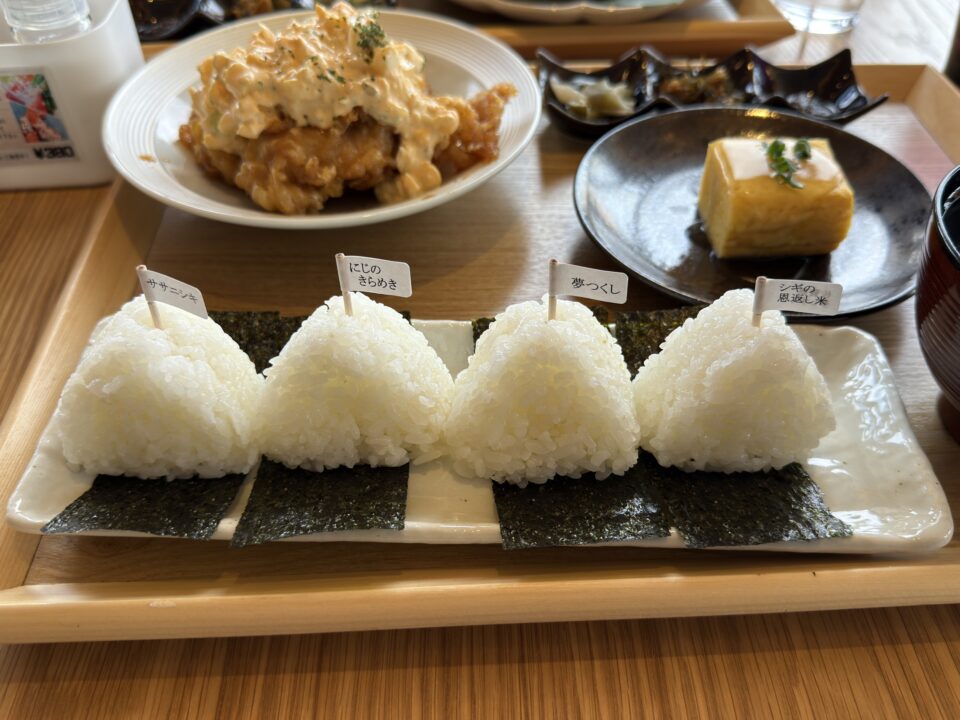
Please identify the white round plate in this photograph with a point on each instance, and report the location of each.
(598, 12)
(141, 125)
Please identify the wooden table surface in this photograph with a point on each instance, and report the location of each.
(899, 662)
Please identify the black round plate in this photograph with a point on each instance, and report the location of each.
(636, 195)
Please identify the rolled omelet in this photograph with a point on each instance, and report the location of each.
(748, 211)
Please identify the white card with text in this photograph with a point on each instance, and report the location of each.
(373, 275)
(806, 296)
(566, 279)
(158, 287)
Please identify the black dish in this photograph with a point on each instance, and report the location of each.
(636, 195)
(828, 91)
(166, 19)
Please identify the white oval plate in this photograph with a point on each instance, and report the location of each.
(872, 470)
(597, 12)
(141, 125)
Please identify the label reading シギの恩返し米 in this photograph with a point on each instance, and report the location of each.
(815, 297)
(31, 125)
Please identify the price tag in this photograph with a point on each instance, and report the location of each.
(587, 282)
(806, 296)
(163, 288)
(372, 275)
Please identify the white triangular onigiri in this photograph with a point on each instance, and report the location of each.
(724, 395)
(362, 389)
(176, 402)
(542, 398)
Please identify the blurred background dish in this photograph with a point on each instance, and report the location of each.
(167, 19)
(636, 195)
(600, 12)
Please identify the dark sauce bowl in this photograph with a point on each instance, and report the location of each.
(938, 299)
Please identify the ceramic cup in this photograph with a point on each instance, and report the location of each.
(938, 299)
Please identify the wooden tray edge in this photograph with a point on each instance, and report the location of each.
(142, 611)
(697, 38)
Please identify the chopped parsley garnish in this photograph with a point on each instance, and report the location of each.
(370, 36)
(783, 168)
(335, 75)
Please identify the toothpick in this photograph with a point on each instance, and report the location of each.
(758, 291)
(343, 274)
(154, 310)
(551, 292)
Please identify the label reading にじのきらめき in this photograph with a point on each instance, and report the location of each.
(31, 127)
(373, 275)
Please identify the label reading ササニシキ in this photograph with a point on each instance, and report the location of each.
(31, 125)
(158, 287)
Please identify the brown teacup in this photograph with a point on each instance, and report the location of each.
(938, 299)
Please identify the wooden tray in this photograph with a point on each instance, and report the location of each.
(471, 257)
(759, 22)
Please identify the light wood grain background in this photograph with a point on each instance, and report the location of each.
(898, 663)
(882, 663)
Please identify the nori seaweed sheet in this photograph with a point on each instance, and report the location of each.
(719, 510)
(287, 503)
(186, 508)
(640, 333)
(480, 326)
(707, 509)
(261, 335)
(601, 313)
(567, 511)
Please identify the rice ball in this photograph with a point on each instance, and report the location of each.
(174, 403)
(723, 395)
(365, 389)
(542, 398)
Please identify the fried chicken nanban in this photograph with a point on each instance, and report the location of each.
(302, 116)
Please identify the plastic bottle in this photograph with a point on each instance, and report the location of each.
(37, 21)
